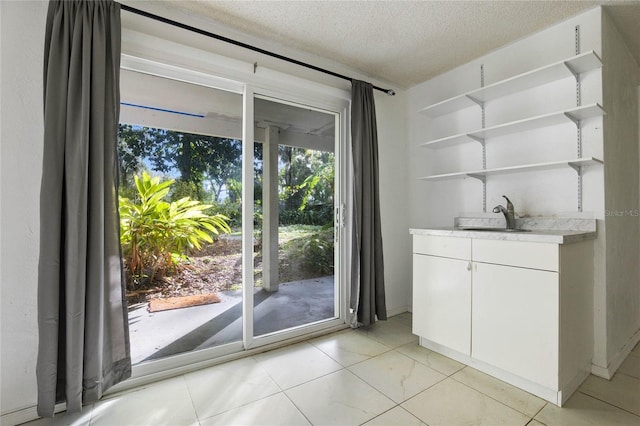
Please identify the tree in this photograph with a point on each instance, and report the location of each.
(306, 186)
(134, 145)
(224, 163)
(197, 159)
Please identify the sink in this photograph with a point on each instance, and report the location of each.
(493, 229)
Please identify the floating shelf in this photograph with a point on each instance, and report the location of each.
(573, 66)
(574, 114)
(479, 174)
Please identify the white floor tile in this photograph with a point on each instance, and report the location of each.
(163, 403)
(348, 347)
(396, 375)
(452, 403)
(582, 409)
(509, 395)
(227, 386)
(431, 359)
(340, 398)
(404, 317)
(391, 333)
(397, 416)
(243, 392)
(297, 364)
(621, 391)
(63, 419)
(275, 410)
(631, 365)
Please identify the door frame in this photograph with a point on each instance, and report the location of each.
(181, 363)
(340, 229)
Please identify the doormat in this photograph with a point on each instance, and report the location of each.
(157, 305)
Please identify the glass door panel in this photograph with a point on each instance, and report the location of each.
(180, 150)
(294, 204)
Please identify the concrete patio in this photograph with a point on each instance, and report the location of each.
(161, 334)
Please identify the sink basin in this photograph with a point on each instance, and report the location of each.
(494, 229)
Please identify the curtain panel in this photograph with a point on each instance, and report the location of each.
(367, 297)
(82, 318)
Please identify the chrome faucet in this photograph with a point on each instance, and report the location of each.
(508, 213)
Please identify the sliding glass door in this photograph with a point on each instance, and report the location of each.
(294, 187)
(228, 205)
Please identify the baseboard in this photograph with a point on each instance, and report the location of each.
(541, 391)
(573, 385)
(397, 311)
(617, 360)
(26, 415)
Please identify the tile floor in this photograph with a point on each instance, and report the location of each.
(375, 376)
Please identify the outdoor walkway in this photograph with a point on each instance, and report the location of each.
(160, 334)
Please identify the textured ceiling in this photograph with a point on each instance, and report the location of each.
(401, 42)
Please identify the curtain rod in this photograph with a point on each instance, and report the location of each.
(389, 92)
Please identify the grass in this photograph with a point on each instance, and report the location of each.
(292, 232)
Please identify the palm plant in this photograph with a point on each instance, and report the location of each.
(155, 234)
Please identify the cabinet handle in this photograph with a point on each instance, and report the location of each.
(469, 266)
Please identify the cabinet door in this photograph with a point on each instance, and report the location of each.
(515, 321)
(442, 301)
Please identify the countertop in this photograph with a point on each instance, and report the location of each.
(539, 230)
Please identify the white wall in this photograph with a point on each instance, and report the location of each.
(22, 38)
(622, 200)
(392, 139)
(22, 44)
(161, 43)
(552, 193)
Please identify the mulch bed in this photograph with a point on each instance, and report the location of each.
(216, 268)
(165, 304)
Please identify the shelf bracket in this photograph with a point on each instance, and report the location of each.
(578, 170)
(477, 139)
(572, 118)
(477, 101)
(576, 167)
(481, 178)
(571, 70)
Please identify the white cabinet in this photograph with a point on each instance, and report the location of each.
(442, 289)
(521, 311)
(515, 321)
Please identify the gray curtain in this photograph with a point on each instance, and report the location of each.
(367, 279)
(82, 319)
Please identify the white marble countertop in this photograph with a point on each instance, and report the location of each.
(558, 231)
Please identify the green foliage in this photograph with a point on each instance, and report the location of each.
(155, 234)
(315, 252)
(209, 169)
(183, 189)
(234, 187)
(319, 214)
(229, 209)
(318, 187)
(306, 186)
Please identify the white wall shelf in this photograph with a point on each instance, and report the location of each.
(573, 66)
(575, 114)
(480, 174)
